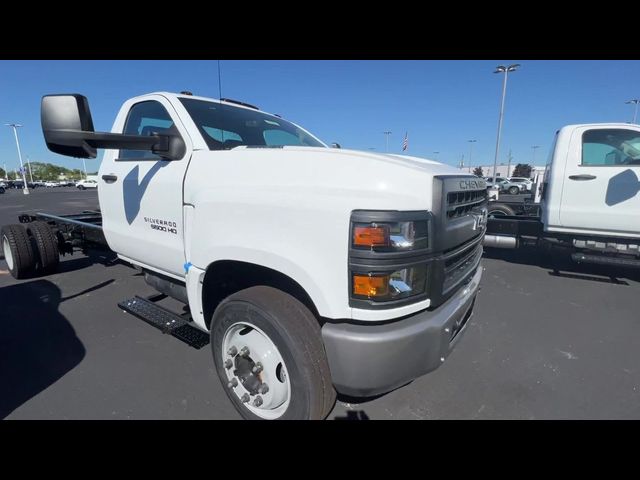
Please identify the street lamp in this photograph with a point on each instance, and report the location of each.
(471, 142)
(15, 126)
(386, 134)
(534, 148)
(506, 71)
(635, 102)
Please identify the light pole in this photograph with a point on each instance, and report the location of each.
(436, 154)
(471, 142)
(386, 134)
(15, 126)
(84, 165)
(635, 102)
(506, 71)
(534, 148)
(29, 165)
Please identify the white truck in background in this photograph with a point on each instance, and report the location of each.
(308, 269)
(590, 201)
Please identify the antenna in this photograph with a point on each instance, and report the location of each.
(219, 81)
(220, 93)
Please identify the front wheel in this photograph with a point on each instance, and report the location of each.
(269, 356)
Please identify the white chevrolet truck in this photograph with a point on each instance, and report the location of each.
(590, 199)
(310, 270)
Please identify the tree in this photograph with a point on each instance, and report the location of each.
(522, 170)
(3, 173)
(478, 172)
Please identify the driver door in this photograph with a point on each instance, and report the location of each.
(601, 186)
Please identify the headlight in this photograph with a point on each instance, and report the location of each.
(390, 236)
(403, 283)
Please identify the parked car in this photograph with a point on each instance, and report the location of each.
(1, 189)
(527, 182)
(84, 184)
(50, 184)
(505, 185)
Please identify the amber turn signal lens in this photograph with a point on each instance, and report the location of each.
(371, 236)
(371, 287)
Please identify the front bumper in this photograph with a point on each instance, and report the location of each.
(368, 360)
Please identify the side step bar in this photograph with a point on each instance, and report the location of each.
(165, 320)
(602, 260)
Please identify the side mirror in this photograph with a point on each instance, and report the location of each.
(335, 145)
(64, 118)
(68, 130)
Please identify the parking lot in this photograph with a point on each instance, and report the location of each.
(549, 340)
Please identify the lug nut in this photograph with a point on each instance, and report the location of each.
(245, 398)
(233, 383)
(233, 351)
(244, 351)
(228, 364)
(264, 388)
(257, 368)
(257, 402)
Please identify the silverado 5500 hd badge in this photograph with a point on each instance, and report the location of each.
(162, 225)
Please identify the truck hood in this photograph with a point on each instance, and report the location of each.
(360, 179)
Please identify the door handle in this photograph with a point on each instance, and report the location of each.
(109, 178)
(581, 177)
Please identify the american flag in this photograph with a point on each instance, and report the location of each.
(405, 142)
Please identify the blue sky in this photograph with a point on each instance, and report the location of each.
(441, 104)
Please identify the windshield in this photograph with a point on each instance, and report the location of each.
(224, 127)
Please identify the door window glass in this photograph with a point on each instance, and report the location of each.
(147, 118)
(610, 147)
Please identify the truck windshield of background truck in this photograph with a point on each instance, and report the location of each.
(224, 127)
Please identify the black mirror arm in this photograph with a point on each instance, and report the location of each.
(155, 143)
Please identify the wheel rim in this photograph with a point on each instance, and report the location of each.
(249, 371)
(8, 257)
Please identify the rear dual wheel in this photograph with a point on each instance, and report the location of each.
(30, 250)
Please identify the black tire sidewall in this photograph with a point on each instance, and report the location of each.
(241, 311)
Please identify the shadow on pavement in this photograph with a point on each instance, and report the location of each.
(38, 346)
(559, 264)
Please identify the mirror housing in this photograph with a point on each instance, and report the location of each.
(68, 130)
(335, 145)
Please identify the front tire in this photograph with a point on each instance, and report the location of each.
(514, 190)
(283, 339)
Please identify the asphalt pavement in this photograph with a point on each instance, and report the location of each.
(548, 340)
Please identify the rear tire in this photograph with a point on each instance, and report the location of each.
(272, 324)
(499, 210)
(47, 255)
(18, 251)
(81, 187)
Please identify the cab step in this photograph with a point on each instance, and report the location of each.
(166, 321)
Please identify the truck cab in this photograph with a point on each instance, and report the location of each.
(312, 270)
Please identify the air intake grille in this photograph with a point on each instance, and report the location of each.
(460, 204)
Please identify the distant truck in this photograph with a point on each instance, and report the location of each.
(590, 201)
(308, 269)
